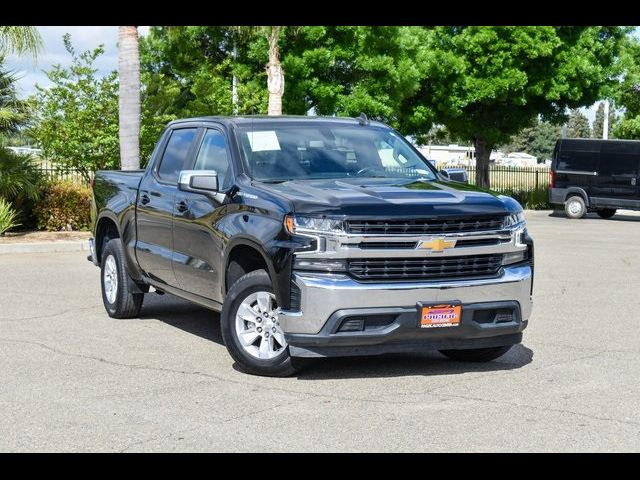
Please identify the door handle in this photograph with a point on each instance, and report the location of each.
(144, 199)
(182, 206)
(633, 182)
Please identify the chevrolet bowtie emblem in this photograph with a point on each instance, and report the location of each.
(437, 244)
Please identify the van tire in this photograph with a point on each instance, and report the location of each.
(606, 212)
(575, 207)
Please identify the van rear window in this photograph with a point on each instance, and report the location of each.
(579, 155)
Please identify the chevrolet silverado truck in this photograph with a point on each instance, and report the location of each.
(314, 237)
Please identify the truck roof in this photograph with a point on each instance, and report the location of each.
(266, 119)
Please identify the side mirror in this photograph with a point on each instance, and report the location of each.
(445, 174)
(199, 181)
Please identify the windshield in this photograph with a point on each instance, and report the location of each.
(298, 152)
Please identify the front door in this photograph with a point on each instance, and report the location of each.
(617, 178)
(197, 243)
(155, 207)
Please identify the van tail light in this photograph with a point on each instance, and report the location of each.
(552, 179)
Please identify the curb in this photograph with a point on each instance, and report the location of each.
(55, 246)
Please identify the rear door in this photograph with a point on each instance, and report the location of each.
(577, 163)
(156, 203)
(617, 173)
(198, 245)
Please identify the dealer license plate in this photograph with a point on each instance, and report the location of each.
(440, 315)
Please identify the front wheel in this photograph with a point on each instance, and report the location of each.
(606, 212)
(476, 354)
(251, 330)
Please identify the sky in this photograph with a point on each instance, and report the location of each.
(53, 52)
(85, 38)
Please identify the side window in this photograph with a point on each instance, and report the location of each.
(619, 159)
(582, 155)
(175, 154)
(213, 155)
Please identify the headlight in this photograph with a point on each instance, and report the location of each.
(313, 224)
(514, 220)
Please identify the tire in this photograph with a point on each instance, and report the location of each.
(125, 301)
(575, 207)
(606, 212)
(275, 361)
(476, 354)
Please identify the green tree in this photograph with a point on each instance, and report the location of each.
(19, 40)
(538, 140)
(77, 125)
(578, 125)
(346, 70)
(627, 93)
(486, 83)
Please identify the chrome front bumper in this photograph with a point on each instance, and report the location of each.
(324, 294)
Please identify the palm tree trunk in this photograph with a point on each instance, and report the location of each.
(275, 74)
(129, 102)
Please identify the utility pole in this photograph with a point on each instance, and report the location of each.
(605, 122)
(234, 81)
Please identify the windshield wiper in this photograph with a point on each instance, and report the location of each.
(276, 180)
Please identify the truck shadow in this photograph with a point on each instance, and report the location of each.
(618, 217)
(400, 365)
(204, 323)
(184, 315)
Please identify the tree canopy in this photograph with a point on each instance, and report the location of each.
(578, 125)
(486, 83)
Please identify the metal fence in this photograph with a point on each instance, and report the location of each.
(51, 172)
(501, 178)
(512, 178)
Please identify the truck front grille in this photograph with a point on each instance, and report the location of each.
(432, 268)
(420, 227)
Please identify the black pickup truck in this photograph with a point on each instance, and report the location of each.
(314, 237)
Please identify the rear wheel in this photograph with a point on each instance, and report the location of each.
(575, 207)
(120, 296)
(476, 354)
(606, 212)
(251, 330)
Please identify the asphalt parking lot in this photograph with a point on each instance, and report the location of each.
(73, 379)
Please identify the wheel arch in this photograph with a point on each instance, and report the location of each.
(573, 191)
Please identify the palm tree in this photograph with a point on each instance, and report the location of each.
(19, 40)
(13, 111)
(275, 72)
(129, 100)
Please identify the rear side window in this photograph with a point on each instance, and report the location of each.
(175, 154)
(619, 158)
(581, 155)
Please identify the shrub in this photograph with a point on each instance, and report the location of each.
(537, 199)
(8, 217)
(64, 205)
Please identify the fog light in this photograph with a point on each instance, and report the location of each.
(514, 257)
(325, 265)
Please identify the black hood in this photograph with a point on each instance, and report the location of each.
(385, 197)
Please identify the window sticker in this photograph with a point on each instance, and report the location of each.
(263, 141)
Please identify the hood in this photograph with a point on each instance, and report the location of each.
(385, 197)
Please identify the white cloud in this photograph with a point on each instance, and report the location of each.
(53, 52)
